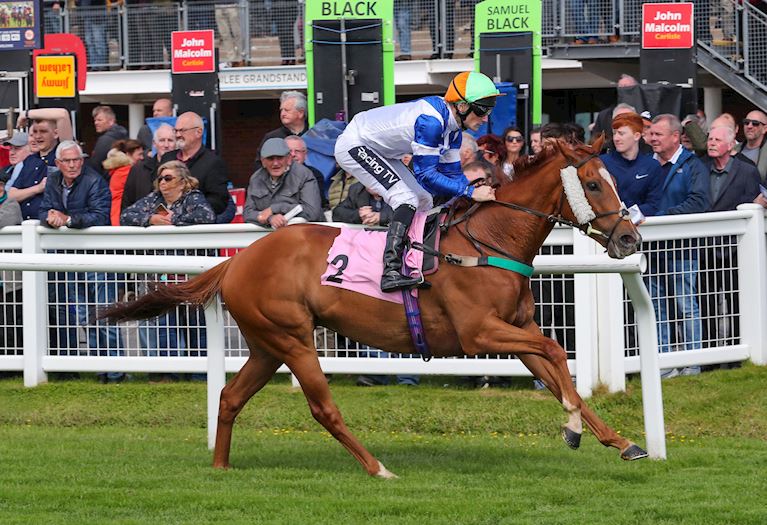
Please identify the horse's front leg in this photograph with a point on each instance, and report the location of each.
(494, 336)
(542, 369)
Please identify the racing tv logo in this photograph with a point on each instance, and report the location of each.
(375, 166)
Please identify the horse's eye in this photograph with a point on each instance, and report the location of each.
(592, 186)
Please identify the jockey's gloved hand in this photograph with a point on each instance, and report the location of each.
(483, 193)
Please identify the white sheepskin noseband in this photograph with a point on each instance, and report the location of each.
(576, 196)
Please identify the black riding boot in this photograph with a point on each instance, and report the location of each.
(395, 246)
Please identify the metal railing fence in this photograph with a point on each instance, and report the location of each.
(271, 32)
(719, 28)
(629, 16)
(151, 25)
(587, 20)
(755, 44)
(101, 31)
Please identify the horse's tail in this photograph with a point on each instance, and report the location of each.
(196, 291)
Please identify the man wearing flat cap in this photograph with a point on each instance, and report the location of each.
(26, 175)
(279, 187)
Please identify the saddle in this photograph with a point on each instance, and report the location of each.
(430, 244)
(355, 258)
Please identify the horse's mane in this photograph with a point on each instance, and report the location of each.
(527, 165)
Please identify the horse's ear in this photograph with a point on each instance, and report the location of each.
(565, 149)
(598, 142)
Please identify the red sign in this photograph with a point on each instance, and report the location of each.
(667, 26)
(193, 52)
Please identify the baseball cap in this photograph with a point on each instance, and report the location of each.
(646, 116)
(19, 139)
(275, 147)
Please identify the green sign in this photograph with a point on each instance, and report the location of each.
(318, 10)
(513, 16)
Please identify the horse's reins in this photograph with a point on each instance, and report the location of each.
(557, 218)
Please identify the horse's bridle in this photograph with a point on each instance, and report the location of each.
(555, 218)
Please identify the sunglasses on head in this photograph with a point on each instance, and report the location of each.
(747, 121)
(512, 138)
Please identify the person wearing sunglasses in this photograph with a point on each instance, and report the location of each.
(429, 129)
(755, 145)
(514, 141)
(493, 151)
(175, 201)
(206, 166)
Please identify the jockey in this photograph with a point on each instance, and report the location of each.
(373, 143)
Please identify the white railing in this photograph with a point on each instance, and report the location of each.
(596, 328)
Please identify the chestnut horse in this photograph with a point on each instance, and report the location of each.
(273, 291)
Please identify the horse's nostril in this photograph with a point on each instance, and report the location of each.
(631, 240)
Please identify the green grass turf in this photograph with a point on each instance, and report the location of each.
(81, 452)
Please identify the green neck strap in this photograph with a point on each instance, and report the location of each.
(497, 262)
(508, 264)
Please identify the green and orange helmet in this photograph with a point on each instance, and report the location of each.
(474, 89)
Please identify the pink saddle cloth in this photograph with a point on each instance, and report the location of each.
(355, 261)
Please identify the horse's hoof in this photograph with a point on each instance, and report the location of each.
(634, 452)
(384, 473)
(223, 466)
(573, 439)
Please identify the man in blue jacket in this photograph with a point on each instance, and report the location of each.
(638, 176)
(77, 197)
(673, 273)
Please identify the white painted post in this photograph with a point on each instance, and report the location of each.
(612, 369)
(586, 328)
(214, 323)
(652, 395)
(35, 310)
(752, 261)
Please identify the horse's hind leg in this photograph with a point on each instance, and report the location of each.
(306, 368)
(257, 371)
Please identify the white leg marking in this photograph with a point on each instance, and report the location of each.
(574, 421)
(384, 473)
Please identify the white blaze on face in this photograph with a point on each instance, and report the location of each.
(606, 175)
(576, 196)
(609, 178)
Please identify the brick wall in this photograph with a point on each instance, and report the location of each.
(244, 124)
